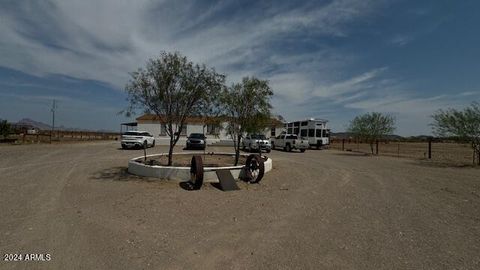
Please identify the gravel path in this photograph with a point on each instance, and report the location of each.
(315, 210)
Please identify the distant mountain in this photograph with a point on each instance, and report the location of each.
(31, 123)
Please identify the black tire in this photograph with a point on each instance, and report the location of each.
(268, 150)
(153, 144)
(124, 147)
(196, 172)
(255, 164)
(288, 148)
(273, 146)
(302, 150)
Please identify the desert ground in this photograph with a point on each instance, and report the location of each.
(316, 210)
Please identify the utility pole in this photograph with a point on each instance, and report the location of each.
(54, 107)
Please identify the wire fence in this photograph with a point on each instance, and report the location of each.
(449, 152)
(45, 136)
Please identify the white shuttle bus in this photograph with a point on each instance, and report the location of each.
(314, 130)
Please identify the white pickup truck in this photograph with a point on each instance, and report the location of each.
(137, 139)
(254, 141)
(289, 142)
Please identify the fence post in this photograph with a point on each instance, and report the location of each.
(478, 159)
(429, 148)
(343, 144)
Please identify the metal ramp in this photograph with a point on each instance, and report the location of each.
(227, 182)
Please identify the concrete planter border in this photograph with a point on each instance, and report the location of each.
(180, 174)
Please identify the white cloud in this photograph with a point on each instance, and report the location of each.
(348, 86)
(104, 40)
(401, 40)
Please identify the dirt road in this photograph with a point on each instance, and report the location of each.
(316, 210)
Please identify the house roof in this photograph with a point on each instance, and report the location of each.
(195, 119)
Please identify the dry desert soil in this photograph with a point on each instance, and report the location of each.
(316, 210)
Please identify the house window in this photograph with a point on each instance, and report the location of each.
(163, 130)
(311, 132)
(296, 124)
(272, 132)
(296, 131)
(183, 132)
(303, 132)
(212, 129)
(319, 133)
(289, 130)
(304, 123)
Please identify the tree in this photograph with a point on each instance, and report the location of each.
(5, 128)
(247, 108)
(371, 127)
(174, 89)
(463, 124)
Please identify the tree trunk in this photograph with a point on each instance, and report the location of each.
(170, 152)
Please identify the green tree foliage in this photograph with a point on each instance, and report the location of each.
(247, 108)
(5, 128)
(463, 124)
(372, 127)
(174, 89)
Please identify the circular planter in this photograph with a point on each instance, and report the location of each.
(135, 166)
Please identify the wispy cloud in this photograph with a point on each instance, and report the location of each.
(349, 86)
(401, 40)
(301, 47)
(105, 40)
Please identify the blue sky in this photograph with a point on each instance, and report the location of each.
(327, 59)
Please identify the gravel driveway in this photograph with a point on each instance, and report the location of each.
(315, 210)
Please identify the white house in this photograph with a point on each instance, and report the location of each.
(151, 123)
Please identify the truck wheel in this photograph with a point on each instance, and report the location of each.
(255, 168)
(196, 172)
(288, 148)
